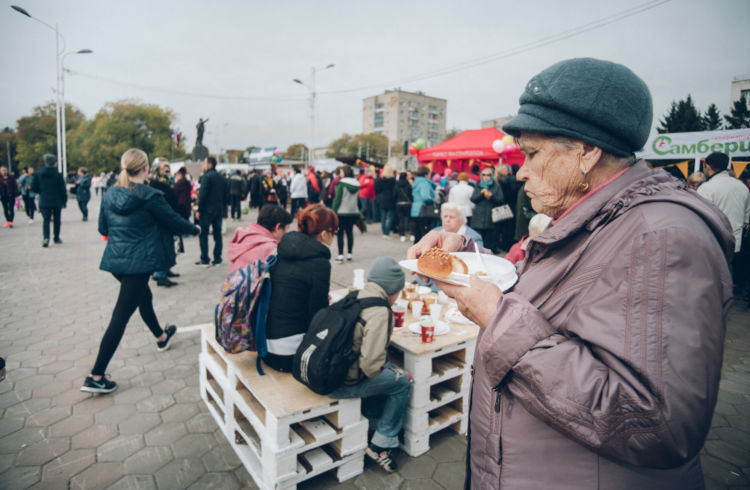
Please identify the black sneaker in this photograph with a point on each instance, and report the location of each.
(164, 282)
(172, 274)
(57, 240)
(216, 262)
(102, 386)
(203, 264)
(45, 243)
(382, 456)
(170, 331)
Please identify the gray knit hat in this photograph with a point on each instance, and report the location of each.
(386, 273)
(595, 101)
(49, 159)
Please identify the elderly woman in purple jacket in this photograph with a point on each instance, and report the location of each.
(600, 367)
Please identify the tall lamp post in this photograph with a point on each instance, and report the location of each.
(311, 88)
(59, 100)
(64, 159)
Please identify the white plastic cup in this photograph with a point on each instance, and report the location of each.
(435, 310)
(416, 309)
(359, 279)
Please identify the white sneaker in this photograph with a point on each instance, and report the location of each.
(385, 237)
(403, 238)
(31, 220)
(411, 238)
(348, 257)
(339, 259)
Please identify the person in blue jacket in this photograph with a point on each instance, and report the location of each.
(423, 192)
(139, 225)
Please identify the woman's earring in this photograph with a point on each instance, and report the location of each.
(584, 186)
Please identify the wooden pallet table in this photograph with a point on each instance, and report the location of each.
(442, 378)
(282, 432)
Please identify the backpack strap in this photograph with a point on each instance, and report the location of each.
(371, 302)
(264, 300)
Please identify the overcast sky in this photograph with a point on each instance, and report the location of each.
(234, 61)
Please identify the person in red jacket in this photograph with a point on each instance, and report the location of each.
(367, 194)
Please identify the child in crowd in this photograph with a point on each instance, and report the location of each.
(371, 377)
(537, 225)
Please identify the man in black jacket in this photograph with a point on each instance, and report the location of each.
(212, 200)
(53, 196)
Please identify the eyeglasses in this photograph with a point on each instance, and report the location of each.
(486, 175)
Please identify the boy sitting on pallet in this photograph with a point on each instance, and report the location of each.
(371, 375)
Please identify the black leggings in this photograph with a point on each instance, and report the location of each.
(8, 203)
(346, 225)
(29, 203)
(134, 293)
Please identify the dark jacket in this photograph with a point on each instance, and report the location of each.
(237, 186)
(385, 192)
(299, 286)
(212, 195)
(601, 367)
(8, 187)
(183, 188)
(50, 186)
(140, 225)
(481, 217)
(83, 191)
(169, 194)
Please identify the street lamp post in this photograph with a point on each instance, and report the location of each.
(64, 159)
(311, 88)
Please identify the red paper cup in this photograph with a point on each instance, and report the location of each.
(428, 330)
(398, 315)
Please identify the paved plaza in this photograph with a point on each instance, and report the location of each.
(155, 431)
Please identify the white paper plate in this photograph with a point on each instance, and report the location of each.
(501, 271)
(455, 316)
(441, 328)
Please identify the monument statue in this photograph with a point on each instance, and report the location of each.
(200, 152)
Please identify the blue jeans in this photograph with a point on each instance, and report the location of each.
(395, 384)
(386, 220)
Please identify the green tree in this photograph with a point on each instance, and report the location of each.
(37, 133)
(297, 151)
(452, 133)
(682, 117)
(712, 119)
(739, 116)
(8, 142)
(126, 124)
(372, 147)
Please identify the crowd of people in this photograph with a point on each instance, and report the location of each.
(600, 365)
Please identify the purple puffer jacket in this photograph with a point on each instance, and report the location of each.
(600, 370)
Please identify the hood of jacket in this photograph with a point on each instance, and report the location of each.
(248, 238)
(295, 245)
(350, 183)
(126, 201)
(640, 185)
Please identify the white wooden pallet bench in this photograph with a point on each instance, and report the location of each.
(442, 378)
(282, 432)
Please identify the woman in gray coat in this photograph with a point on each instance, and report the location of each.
(600, 368)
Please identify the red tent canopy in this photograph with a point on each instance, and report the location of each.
(473, 146)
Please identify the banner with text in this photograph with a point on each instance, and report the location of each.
(733, 142)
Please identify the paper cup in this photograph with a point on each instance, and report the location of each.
(435, 310)
(428, 329)
(416, 309)
(399, 311)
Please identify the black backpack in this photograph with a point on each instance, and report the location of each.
(325, 354)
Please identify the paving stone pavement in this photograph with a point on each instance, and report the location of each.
(154, 431)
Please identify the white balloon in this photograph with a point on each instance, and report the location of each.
(498, 146)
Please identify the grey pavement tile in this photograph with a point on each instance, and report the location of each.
(115, 414)
(168, 386)
(179, 473)
(37, 362)
(203, 422)
(55, 367)
(70, 397)
(194, 446)
(182, 371)
(10, 398)
(67, 465)
(244, 478)
(19, 439)
(53, 389)
(445, 447)
(180, 412)
(6, 461)
(131, 482)
(131, 395)
(127, 372)
(139, 423)
(216, 481)
(155, 403)
(18, 374)
(730, 453)
(147, 378)
(99, 475)
(165, 434)
(422, 484)
(722, 472)
(43, 451)
(416, 468)
(93, 404)
(8, 425)
(148, 460)
(120, 448)
(221, 458)
(70, 426)
(450, 475)
(75, 373)
(20, 477)
(27, 408)
(377, 479)
(94, 436)
(188, 394)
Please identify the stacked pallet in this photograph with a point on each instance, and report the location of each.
(282, 432)
(442, 380)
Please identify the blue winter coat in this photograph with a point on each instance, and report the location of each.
(140, 225)
(422, 191)
(83, 192)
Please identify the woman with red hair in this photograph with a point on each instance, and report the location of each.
(300, 281)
